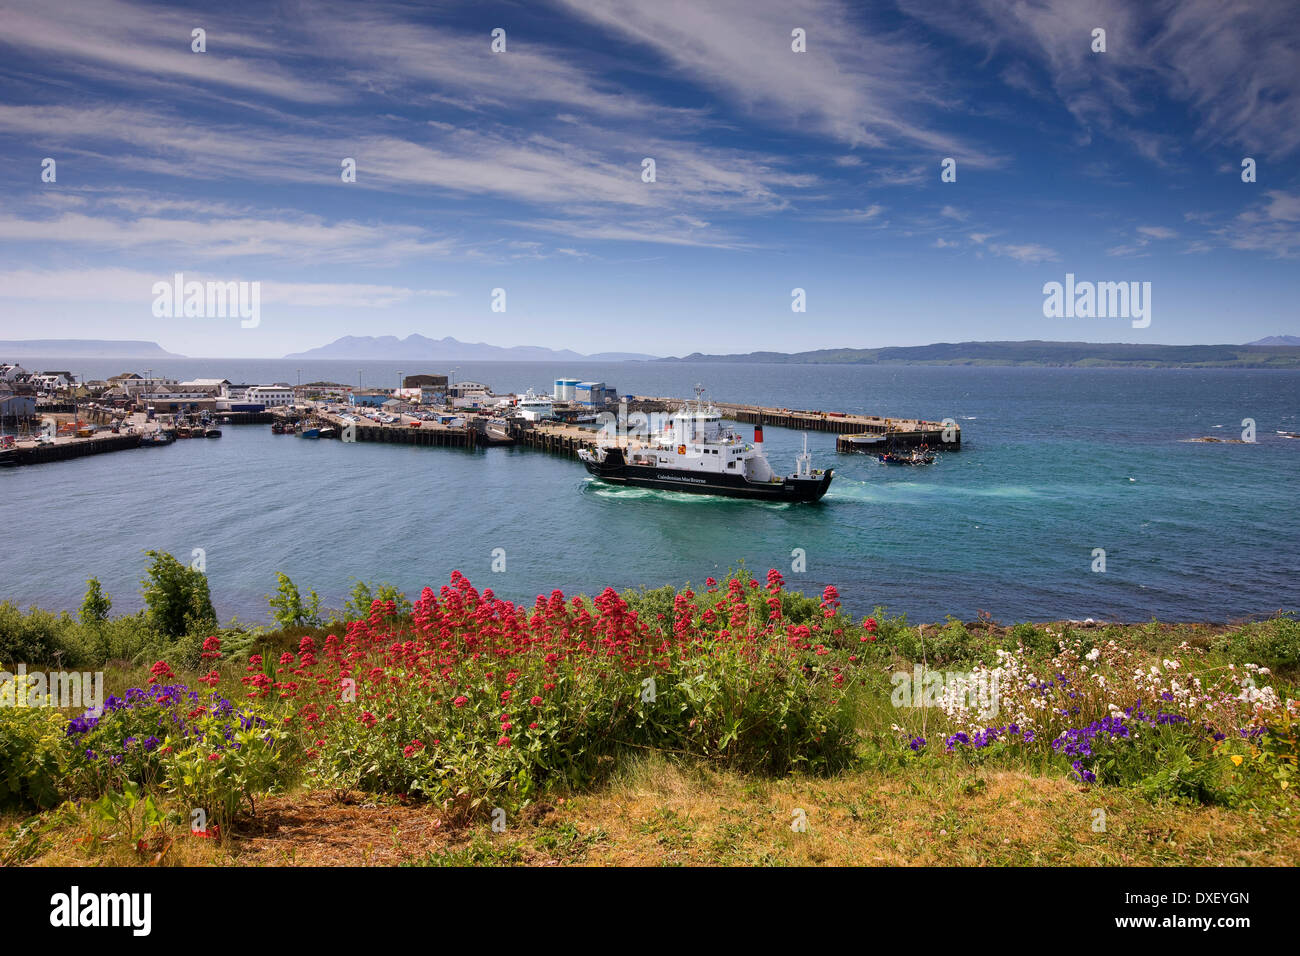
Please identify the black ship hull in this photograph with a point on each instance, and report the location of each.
(615, 470)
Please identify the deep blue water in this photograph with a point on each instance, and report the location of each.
(1056, 462)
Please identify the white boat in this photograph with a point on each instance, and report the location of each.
(535, 408)
(697, 452)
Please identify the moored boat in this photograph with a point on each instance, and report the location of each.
(152, 439)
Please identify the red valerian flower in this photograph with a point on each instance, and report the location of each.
(503, 742)
(461, 701)
(536, 702)
(160, 671)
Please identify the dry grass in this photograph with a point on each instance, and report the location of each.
(661, 813)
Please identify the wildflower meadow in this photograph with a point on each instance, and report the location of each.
(469, 708)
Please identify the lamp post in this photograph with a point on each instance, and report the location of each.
(398, 393)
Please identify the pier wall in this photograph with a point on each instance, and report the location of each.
(71, 448)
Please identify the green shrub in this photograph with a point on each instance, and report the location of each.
(288, 606)
(1274, 644)
(35, 637)
(949, 644)
(176, 597)
(33, 757)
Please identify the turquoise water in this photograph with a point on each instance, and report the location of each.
(1056, 462)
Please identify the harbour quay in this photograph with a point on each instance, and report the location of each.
(856, 433)
(64, 448)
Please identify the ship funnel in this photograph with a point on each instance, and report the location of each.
(758, 434)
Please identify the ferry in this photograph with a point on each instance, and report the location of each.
(535, 408)
(695, 452)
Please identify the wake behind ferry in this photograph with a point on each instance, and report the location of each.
(697, 453)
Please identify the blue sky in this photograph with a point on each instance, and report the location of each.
(522, 170)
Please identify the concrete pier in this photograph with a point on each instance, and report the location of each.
(66, 448)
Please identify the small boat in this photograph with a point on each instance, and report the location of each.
(153, 439)
(183, 431)
(309, 433)
(921, 456)
(211, 432)
(277, 428)
(225, 419)
(1289, 434)
(329, 431)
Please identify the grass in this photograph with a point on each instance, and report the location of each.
(658, 811)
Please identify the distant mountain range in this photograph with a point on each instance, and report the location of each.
(82, 348)
(1080, 354)
(390, 347)
(1275, 351)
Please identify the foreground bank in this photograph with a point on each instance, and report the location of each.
(474, 721)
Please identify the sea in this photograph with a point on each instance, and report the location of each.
(1076, 494)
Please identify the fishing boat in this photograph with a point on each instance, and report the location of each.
(921, 456)
(212, 432)
(153, 439)
(277, 428)
(309, 432)
(329, 431)
(695, 452)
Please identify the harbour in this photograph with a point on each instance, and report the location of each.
(559, 436)
(995, 527)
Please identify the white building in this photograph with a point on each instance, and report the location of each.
(270, 395)
(12, 373)
(216, 387)
(50, 382)
(135, 384)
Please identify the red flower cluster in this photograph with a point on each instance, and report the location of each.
(160, 672)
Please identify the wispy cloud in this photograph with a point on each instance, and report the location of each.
(870, 88)
(1231, 62)
(134, 287)
(1028, 252)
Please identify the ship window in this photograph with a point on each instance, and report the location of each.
(731, 464)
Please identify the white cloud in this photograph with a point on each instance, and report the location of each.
(1231, 62)
(1030, 252)
(1157, 232)
(133, 286)
(855, 85)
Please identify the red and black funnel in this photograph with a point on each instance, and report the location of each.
(758, 434)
